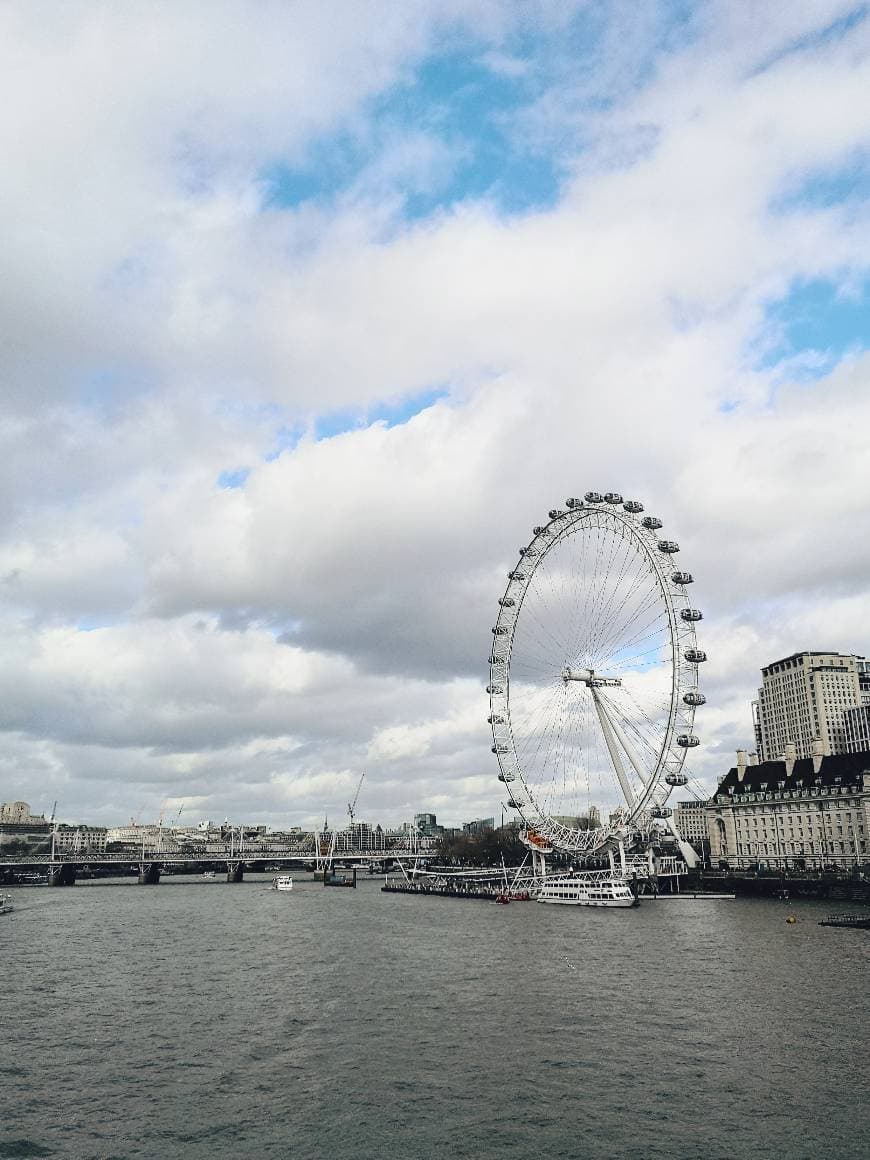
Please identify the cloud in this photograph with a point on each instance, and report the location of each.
(177, 325)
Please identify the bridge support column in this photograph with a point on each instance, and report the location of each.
(62, 875)
(235, 871)
(149, 873)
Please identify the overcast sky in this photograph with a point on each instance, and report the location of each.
(309, 312)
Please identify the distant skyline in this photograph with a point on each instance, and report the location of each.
(313, 310)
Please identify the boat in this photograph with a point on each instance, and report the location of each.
(586, 890)
(282, 882)
(208, 873)
(5, 904)
(850, 921)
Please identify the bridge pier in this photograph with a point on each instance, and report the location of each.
(235, 871)
(149, 873)
(62, 875)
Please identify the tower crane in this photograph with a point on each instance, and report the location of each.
(351, 805)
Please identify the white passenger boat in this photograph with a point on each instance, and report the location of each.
(586, 890)
(282, 882)
(5, 904)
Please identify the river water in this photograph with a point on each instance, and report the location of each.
(201, 1020)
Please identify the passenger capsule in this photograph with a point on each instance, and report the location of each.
(687, 741)
(506, 777)
(594, 497)
(495, 719)
(691, 614)
(513, 805)
(500, 630)
(507, 602)
(555, 514)
(668, 546)
(651, 522)
(494, 690)
(661, 812)
(631, 505)
(501, 748)
(693, 697)
(516, 575)
(676, 779)
(497, 660)
(528, 551)
(682, 577)
(695, 656)
(572, 503)
(541, 531)
(613, 497)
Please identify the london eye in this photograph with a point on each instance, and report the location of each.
(593, 679)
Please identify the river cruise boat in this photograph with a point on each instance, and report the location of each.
(282, 882)
(586, 890)
(5, 904)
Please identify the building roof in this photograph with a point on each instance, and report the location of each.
(836, 769)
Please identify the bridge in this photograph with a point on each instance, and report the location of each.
(64, 868)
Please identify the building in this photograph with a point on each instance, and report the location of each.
(427, 826)
(690, 819)
(80, 839)
(21, 830)
(857, 723)
(478, 827)
(18, 814)
(797, 813)
(360, 836)
(804, 697)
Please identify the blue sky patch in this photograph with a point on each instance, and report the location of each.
(237, 477)
(827, 187)
(392, 414)
(818, 317)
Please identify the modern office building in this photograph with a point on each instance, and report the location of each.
(478, 826)
(857, 722)
(804, 697)
(797, 813)
(690, 819)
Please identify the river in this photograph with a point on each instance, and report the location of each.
(197, 1020)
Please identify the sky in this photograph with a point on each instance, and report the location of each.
(310, 311)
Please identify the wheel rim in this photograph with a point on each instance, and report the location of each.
(589, 675)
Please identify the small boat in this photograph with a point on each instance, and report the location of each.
(850, 921)
(282, 882)
(586, 890)
(504, 899)
(208, 873)
(5, 904)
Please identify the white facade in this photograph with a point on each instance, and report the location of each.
(804, 697)
(80, 839)
(811, 813)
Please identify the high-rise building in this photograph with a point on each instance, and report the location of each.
(804, 697)
(858, 729)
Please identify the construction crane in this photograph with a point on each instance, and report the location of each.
(351, 805)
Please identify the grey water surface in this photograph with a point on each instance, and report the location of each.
(197, 1020)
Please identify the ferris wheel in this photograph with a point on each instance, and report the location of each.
(593, 680)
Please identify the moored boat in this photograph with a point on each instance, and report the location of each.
(586, 890)
(5, 904)
(282, 882)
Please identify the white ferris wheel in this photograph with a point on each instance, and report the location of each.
(594, 678)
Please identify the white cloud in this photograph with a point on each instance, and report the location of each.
(255, 647)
